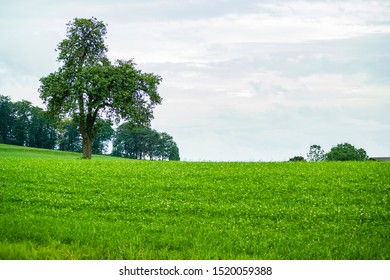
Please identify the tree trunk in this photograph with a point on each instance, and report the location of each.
(87, 141)
(87, 147)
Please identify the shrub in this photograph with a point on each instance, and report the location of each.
(344, 152)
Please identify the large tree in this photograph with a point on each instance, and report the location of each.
(88, 86)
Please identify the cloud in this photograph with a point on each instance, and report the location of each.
(195, 36)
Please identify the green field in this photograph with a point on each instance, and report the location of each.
(54, 205)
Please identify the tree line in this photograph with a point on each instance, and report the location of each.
(144, 143)
(340, 152)
(23, 124)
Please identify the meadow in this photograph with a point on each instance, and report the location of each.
(54, 205)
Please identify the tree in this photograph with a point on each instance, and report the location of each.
(346, 151)
(133, 142)
(297, 158)
(5, 118)
(143, 142)
(21, 116)
(103, 135)
(316, 153)
(41, 131)
(69, 136)
(168, 148)
(25, 125)
(174, 152)
(126, 141)
(88, 86)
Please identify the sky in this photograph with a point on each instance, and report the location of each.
(242, 80)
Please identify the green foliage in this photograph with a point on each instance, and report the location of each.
(84, 45)
(141, 142)
(346, 151)
(69, 138)
(25, 125)
(297, 158)
(55, 206)
(41, 130)
(88, 86)
(104, 133)
(5, 118)
(316, 153)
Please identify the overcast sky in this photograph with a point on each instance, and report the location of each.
(242, 80)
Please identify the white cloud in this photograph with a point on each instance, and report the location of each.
(182, 39)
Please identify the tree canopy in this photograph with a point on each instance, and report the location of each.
(316, 153)
(88, 86)
(23, 124)
(143, 142)
(341, 152)
(297, 158)
(346, 151)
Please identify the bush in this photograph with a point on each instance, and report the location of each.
(344, 152)
(297, 158)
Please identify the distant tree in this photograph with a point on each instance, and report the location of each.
(152, 141)
(128, 141)
(21, 115)
(174, 152)
(5, 118)
(25, 125)
(143, 142)
(69, 138)
(345, 152)
(88, 86)
(103, 135)
(168, 148)
(297, 158)
(316, 153)
(41, 131)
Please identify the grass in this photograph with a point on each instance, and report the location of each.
(54, 205)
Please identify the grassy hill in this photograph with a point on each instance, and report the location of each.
(54, 205)
(11, 151)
